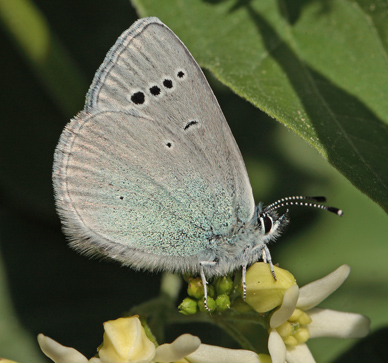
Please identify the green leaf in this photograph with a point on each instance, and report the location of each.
(318, 67)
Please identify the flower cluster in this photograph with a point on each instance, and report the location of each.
(218, 299)
(125, 341)
(297, 319)
(289, 312)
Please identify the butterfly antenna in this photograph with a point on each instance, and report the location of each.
(304, 202)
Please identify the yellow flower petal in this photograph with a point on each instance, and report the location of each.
(265, 358)
(285, 329)
(290, 340)
(302, 335)
(125, 341)
(264, 293)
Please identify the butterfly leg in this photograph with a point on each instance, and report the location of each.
(244, 270)
(266, 256)
(204, 282)
(244, 282)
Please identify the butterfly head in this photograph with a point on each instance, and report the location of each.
(270, 223)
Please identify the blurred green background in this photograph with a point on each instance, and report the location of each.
(47, 288)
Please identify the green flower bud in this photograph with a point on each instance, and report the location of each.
(211, 291)
(211, 304)
(188, 306)
(224, 285)
(195, 288)
(222, 302)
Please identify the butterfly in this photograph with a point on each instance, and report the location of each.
(149, 173)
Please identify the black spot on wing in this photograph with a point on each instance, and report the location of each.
(189, 124)
(138, 98)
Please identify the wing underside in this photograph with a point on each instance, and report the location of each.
(150, 168)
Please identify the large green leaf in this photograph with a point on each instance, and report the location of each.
(319, 67)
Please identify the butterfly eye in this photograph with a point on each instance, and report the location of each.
(266, 223)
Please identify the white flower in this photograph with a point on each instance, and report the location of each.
(213, 354)
(298, 319)
(59, 353)
(125, 341)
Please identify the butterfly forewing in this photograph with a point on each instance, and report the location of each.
(150, 167)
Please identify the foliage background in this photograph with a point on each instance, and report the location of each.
(322, 69)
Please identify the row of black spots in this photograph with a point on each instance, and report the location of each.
(139, 97)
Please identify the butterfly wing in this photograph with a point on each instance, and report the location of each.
(149, 172)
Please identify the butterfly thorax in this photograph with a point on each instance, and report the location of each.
(245, 243)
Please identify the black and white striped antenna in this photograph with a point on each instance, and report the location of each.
(303, 201)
